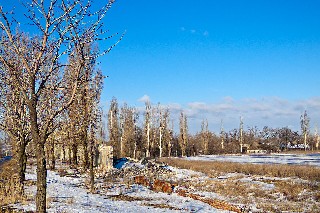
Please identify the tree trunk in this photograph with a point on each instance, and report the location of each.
(22, 161)
(91, 161)
(91, 171)
(41, 178)
(63, 153)
(69, 154)
(85, 149)
(53, 158)
(74, 154)
(121, 148)
(160, 143)
(86, 121)
(305, 141)
(40, 152)
(135, 150)
(148, 140)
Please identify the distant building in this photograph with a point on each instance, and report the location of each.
(297, 146)
(244, 148)
(105, 160)
(256, 151)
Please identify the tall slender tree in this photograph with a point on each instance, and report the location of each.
(183, 139)
(241, 138)
(205, 136)
(128, 116)
(317, 137)
(147, 128)
(164, 135)
(222, 135)
(304, 121)
(113, 127)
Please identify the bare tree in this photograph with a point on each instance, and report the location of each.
(183, 139)
(94, 117)
(317, 137)
(170, 139)
(241, 134)
(113, 127)
(205, 136)
(62, 27)
(15, 124)
(128, 117)
(304, 121)
(164, 134)
(222, 135)
(147, 128)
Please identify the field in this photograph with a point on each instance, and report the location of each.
(201, 184)
(261, 187)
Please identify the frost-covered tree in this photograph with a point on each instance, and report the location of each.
(222, 135)
(113, 127)
(147, 128)
(241, 135)
(61, 27)
(164, 132)
(128, 117)
(183, 139)
(317, 138)
(304, 121)
(205, 136)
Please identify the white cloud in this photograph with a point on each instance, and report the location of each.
(271, 111)
(274, 112)
(144, 99)
(204, 33)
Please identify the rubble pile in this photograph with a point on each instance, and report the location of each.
(159, 178)
(148, 168)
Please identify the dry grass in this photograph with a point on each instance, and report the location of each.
(11, 190)
(215, 168)
(288, 194)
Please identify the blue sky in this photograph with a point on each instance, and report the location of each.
(217, 59)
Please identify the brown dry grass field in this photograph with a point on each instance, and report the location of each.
(213, 168)
(295, 188)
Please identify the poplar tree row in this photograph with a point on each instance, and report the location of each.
(155, 136)
(154, 139)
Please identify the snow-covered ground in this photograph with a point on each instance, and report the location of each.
(297, 159)
(69, 194)
(253, 193)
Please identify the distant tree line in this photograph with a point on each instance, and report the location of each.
(156, 138)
